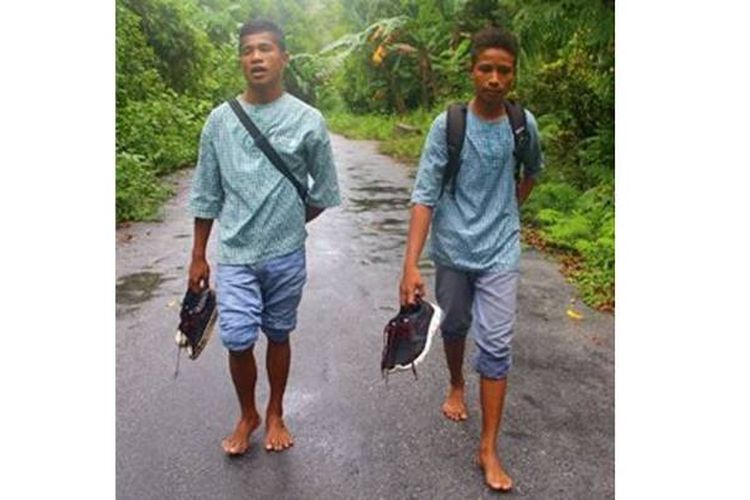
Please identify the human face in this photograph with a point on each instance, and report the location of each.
(262, 60)
(493, 74)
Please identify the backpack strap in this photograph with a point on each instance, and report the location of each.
(455, 132)
(517, 118)
(262, 143)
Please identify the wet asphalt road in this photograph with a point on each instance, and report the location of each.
(355, 437)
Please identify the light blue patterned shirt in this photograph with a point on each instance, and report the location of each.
(479, 229)
(260, 213)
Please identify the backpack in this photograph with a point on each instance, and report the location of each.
(456, 132)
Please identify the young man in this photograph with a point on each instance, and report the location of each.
(261, 269)
(475, 239)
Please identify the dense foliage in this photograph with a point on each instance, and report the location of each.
(169, 73)
(370, 65)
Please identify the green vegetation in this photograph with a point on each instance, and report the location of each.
(169, 74)
(404, 144)
(374, 66)
(139, 193)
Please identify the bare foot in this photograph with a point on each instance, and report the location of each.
(494, 475)
(454, 407)
(278, 437)
(237, 442)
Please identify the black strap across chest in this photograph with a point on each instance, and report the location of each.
(262, 143)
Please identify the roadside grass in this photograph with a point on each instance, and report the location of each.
(404, 144)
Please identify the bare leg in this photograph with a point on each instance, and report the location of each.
(492, 395)
(454, 407)
(278, 359)
(244, 375)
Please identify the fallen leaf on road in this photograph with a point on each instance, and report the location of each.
(574, 314)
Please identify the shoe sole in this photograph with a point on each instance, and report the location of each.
(207, 333)
(437, 317)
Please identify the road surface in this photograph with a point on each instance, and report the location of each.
(355, 436)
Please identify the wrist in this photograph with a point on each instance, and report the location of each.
(410, 267)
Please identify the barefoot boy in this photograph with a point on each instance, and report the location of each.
(475, 238)
(261, 269)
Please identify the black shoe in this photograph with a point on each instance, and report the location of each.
(197, 319)
(407, 337)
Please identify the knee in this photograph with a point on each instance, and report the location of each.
(241, 352)
(238, 339)
(277, 336)
(493, 364)
(453, 335)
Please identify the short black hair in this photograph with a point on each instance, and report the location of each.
(254, 26)
(493, 37)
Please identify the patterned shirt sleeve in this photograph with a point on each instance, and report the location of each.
(207, 194)
(432, 164)
(325, 189)
(533, 162)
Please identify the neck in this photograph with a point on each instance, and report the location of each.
(262, 95)
(487, 111)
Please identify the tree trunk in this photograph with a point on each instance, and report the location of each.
(398, 99)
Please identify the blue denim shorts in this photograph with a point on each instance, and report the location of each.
(264, 296)
(483, 304)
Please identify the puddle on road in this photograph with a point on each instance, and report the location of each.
(137, 288)
(381, 208)
(396, 227)
(379, 204)
(395, 197)
(121, 312)
(378, 259)
(379, 188)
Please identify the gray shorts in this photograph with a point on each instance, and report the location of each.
(485, 304)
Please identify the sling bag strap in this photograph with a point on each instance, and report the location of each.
(456, 132)
(262, 143)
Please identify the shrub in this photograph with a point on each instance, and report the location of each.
(138, 192)
(174, 30)
(137, 77)
(163, 130)
(560, 196)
